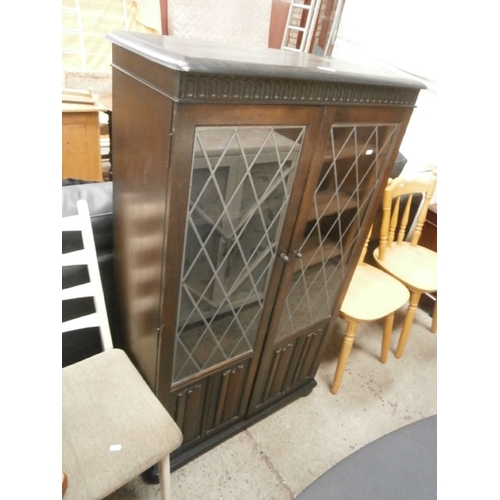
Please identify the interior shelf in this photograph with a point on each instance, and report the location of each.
(329, 205)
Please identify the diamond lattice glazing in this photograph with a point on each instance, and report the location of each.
(240, 186)
(350, 172)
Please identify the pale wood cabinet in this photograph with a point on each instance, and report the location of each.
(81, 148)
(244, 186)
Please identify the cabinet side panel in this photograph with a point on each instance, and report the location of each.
(140, 162)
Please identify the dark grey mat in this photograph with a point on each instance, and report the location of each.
(401, 465)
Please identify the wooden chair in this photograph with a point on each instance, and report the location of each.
(372, 295)
(113, 426)
(399, 253)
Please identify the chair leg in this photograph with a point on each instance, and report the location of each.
(386, 338)
(344, 355)
(410, 316)
(164, 468)
(434, 317)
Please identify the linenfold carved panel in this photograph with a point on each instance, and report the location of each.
(292, 363)
(219, 394)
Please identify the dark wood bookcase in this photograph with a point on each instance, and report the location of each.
(245, 181)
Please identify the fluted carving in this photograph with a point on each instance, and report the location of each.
(196, 87)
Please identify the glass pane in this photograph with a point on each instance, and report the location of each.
(351, 168)
(240, 185)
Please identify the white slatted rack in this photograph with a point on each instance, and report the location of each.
(293, 25)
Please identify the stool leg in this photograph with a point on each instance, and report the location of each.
(164, 469)
(344, 355)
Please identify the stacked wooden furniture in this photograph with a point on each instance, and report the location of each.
(428, 238)
(81, 133)
(245, 182)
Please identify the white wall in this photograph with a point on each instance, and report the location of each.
(238, 22)
(402, 34)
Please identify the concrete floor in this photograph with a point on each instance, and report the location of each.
(277, 458)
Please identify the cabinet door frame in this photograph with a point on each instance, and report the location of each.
(334, 115)
(186, 117)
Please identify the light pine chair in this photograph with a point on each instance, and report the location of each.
(372, 295)
(399, 253)
(113, 426)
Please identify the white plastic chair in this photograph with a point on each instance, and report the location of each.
(113, 426)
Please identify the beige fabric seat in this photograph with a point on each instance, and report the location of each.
(113, 426)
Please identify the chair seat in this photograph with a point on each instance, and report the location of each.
(372, 294)
(105, 432)
(421, 275)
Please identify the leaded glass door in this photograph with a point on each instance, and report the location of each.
(348, 178)
(241, 180)
(322, 253)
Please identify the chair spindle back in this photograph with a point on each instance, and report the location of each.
(399, 195)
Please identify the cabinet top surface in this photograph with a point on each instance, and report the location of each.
(187, 55)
